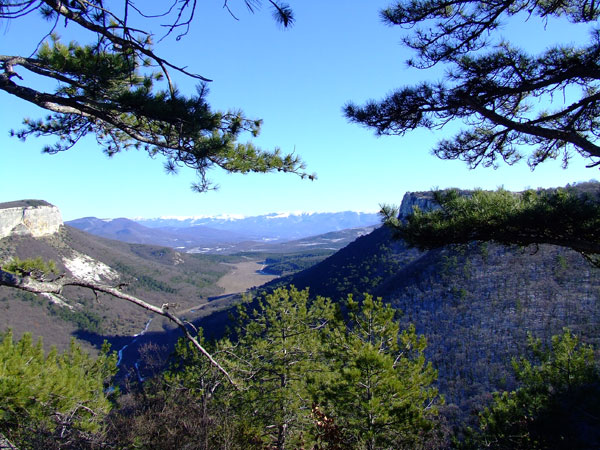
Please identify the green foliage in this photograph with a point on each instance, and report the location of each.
(509, 101)
(84, 319)
(564, 216)
(360, 267)
(379, 394)
(189, 368)
(108, 89)
(25, 296)
(274, 352)
(277, 352)
(201, 272)
(36, 267)
(60, 395)
(153, 284)
(471, 341)
(295, 262)
(187, 406)
(306, 377)
(491, 85)
(557, 405)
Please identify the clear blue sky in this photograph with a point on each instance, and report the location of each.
(297, 81)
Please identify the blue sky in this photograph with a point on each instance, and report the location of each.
(297, 81)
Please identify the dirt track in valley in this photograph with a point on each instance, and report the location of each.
(243, 277)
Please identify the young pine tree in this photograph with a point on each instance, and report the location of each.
(379, 395)
(278, 354)
(556, 407)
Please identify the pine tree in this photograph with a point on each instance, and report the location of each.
(491, 84)
(59, 396)
(305, 378)
(380, 393)
(556, 406)
(108, 89)
(510, 102)
(567, 217)
(277, 354)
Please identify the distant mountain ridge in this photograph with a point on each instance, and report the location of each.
(275, 226)
(127, 230)
(230, 234)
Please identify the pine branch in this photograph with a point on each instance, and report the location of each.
(501, 94)
(61, 9)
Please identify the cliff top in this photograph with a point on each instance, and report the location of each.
(24, 203)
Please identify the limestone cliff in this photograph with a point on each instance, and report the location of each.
(423, 200)
(29, 217)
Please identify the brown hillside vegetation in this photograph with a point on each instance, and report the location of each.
(157, 274)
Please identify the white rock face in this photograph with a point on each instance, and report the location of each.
(424, 200)
(29, 217)
(88, 269)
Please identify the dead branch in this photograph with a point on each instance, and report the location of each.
(30, 284)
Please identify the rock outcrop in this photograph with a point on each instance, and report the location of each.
(423, 200)
(29, 217)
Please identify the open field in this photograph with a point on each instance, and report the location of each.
(244, 276)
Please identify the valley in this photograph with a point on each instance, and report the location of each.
(475, 304)
(243, 276)
(196, 284)
(140, 309)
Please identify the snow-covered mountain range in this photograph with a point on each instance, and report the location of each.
(230, 234)
(275, 226)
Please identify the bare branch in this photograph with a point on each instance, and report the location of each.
(64, 11)
(56, 287)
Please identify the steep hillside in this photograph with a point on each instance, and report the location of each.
(156, 274)
(474, 303)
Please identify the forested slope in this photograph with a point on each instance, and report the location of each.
(475, 303)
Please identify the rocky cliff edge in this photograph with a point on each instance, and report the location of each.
(29, 217)
(423, 200)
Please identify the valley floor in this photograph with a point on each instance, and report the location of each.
(245, 275)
